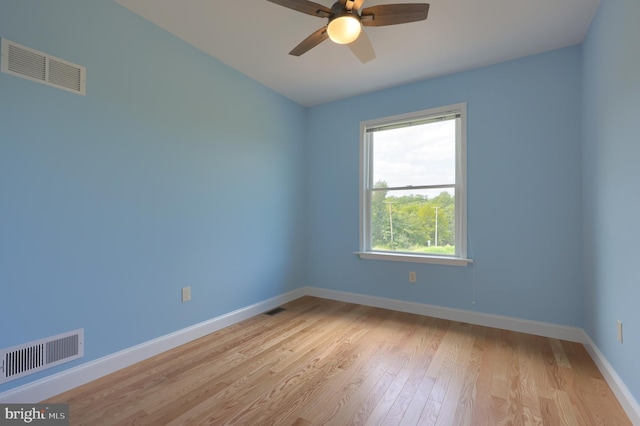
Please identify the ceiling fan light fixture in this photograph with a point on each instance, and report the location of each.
(344, 29)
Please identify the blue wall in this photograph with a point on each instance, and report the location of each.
(174, 170)
(611, 177)
(524, 191)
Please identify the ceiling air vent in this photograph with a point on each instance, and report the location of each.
(28, 63)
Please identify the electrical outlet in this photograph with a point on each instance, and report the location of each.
(186, 294)
(412, 277)
(619, 331)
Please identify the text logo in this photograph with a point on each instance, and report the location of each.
(34, 414)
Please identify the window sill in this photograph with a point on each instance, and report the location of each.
(405, 257)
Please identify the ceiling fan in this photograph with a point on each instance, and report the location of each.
(345, 22)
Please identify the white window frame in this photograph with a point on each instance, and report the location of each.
(366, 183)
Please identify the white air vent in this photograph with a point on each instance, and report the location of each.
(22, 360)
(28, 63)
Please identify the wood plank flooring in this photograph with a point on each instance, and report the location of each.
(325, 362)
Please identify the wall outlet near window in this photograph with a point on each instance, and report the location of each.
(412, 277)
(619, 331)
(186, 294)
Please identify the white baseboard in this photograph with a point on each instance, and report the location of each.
(50, 386)
(66, 380)
(628, 402)
(572, 334)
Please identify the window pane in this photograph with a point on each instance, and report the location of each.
(424, 154)
(413, 221)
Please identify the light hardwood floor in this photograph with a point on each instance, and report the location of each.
(326, 362)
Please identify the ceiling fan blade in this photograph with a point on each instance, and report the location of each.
(351, 4)
(304, 6)
(357, 4)
(362, 48)
(391, 14)
(310, 42)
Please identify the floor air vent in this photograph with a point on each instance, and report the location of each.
(275, 311)
(28, 63)
(22, 360)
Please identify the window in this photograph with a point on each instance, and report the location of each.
(413, 179)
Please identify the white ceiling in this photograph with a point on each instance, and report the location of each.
(255, 36)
